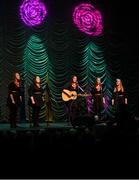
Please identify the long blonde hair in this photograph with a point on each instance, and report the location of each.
(120, 85)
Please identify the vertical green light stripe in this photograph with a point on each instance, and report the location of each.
(96, 67)
(35, 63)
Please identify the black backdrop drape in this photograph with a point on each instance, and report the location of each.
(58, 49)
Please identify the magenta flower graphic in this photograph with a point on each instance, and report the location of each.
(32, 12)
(88, 19)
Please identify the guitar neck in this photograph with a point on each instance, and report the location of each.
(84, 95)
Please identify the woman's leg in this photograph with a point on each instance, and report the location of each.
(35, 115)
(12, 116)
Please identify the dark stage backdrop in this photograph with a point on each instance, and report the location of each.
(57, 49)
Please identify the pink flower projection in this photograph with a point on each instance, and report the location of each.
(88, 19)
(32, 12)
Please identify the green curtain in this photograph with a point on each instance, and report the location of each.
(58, 49)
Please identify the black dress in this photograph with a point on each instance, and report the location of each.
(13, 107)
(120, 108)
(98, 101)
(37, 94)
(72, 106)
(119, 100)
(119, 97)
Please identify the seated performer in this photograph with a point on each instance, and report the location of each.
(71, 92)
(99, 100)
(36, 100)
(119, 99)
(14, 99)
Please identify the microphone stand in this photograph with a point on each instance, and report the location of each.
(80, 88)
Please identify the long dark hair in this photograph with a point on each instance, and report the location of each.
(14, 75)
(121, 86)
(100, 84)
(34, 81)
(71, 81)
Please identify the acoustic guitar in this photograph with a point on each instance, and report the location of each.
(71, 95)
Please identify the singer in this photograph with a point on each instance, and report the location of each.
(99, 100)
(72, 106)
(36, 99)
(14, 99)
(119, 96)
(119, 101)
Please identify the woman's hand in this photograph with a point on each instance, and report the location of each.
(104, 100)
(112, 101)
(32, 100)
(13, 102)
(125, 100)
(21, 98)
(12, 98)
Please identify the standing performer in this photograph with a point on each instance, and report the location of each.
(119, 99)
(36, 100)
(98, 98)
(71, 92)
(14, 99)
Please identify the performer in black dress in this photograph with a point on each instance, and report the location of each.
(36, 100)
(14, 99)
(99, 100)
(72, 105)
(119, 99)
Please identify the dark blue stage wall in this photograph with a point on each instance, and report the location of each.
(57, 49)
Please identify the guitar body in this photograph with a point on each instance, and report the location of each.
(69, 95)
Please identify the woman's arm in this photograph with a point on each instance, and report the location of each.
(10, 89)
(125, 95)
(103, 100)
(12, 98)
(112, 101)
(31, 95)
(32, 100)
(125, 100)
(113, 96)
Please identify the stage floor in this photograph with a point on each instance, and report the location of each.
(27, 126)
(45, 125)
(42, 126)
(98, 129)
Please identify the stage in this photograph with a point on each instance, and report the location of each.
(55, 39)
(28, 126)
(98, 127)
